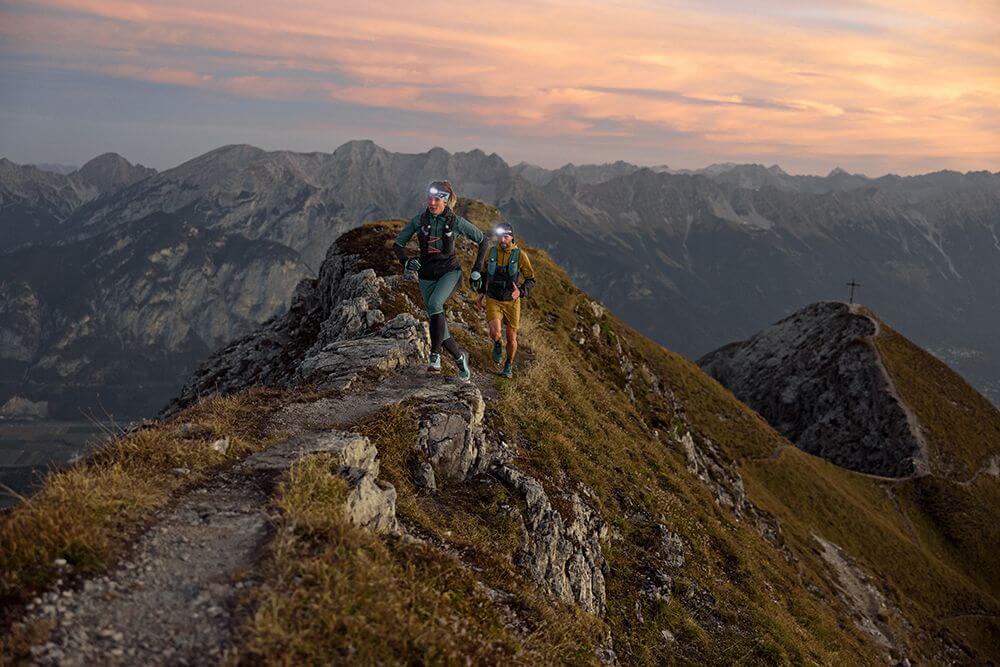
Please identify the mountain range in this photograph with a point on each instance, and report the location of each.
(156, 269)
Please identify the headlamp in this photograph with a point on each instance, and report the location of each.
(440, 194)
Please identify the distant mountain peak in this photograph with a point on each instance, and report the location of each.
(110, 171)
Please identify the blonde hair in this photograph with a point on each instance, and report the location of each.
(446, 186)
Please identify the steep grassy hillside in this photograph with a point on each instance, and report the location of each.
(719, 542)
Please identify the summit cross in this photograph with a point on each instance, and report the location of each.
(852, 285)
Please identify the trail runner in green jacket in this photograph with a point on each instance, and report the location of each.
(438, 269)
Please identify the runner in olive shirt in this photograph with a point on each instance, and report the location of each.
(509, 277)
(438, 268)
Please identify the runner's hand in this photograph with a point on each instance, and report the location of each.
(516, 293)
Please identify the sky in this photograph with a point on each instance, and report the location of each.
(872, 86)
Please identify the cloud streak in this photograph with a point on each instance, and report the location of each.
(914, 83)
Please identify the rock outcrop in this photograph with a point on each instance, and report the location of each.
(18, 407)
(370, 503)
(563, 554)
(818, 379)
(333, 333)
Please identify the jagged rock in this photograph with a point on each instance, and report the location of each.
(561, 554)
(423, 476)
(332, 334)
(720, 475)
(338, 364)
(672, 547)
(450, 435)
(818, 379)
(22, 408)
(371, 503)
(221, 445)
(869, 607)
(658, 583)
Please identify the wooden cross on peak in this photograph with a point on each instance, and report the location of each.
(852, 285)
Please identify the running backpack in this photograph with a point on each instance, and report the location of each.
(448, 238)
(513, 266)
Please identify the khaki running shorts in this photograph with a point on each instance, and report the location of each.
(509, 311)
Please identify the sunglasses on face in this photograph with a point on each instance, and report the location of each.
(443, 195)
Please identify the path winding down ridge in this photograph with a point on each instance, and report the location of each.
(174, 598)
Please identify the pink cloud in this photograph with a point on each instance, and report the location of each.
(904, 78)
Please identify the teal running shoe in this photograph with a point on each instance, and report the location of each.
(497, 352)
(434, 364)
(464, 371)
(508, 370)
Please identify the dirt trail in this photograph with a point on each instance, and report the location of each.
(921, 463)
(171, 599)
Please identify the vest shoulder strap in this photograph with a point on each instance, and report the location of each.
(514, 265)
(491, 262)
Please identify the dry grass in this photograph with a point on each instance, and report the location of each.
(85, 514)
(335, 593)
(962, 426)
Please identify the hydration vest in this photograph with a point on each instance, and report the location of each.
(447, 238)
(513, 265)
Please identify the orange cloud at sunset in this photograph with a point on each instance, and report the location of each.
(910, 85)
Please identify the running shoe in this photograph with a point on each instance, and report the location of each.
(434, 365)
(463, 366)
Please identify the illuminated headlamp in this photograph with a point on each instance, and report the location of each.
(503, 230)
(440, 194)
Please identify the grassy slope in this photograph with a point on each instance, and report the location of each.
(954, 511)
(86, 515)
(933, 566)
(333, 592)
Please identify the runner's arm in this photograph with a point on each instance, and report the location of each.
(472, 232)
(398, 248)
(528, 273)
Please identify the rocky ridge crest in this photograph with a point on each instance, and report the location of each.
(337, 336)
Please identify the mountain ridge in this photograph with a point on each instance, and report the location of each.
(825, 378)
(611, 503)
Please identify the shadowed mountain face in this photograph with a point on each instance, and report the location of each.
(109, 322)
(693, 260)
(33, 201)
(817, 377)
